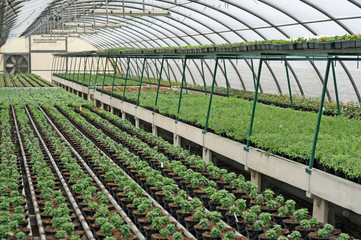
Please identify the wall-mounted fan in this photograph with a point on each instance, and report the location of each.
(16, 64)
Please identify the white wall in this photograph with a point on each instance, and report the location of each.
(41, 56)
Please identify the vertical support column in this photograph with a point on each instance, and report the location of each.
(136, 122)
(289, 84)
(154, 130)
(256, 178)
(181, 90)
(246, 148)
(102, 105)
(207, 155)
(111, 110)
(336, 90)
(320, 209)
(177, 140)
(124, 115)
(320, 110)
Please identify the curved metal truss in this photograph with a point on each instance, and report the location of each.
(197, 22)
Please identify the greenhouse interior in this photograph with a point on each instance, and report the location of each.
(180, 119)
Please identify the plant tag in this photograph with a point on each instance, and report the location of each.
(161, 164)
(235, 216)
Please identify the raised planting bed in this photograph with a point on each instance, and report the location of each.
(89, 79)
(279, 131)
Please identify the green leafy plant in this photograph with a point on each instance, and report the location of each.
(295, 235)
(204, 223)
(177, 236)
(215, 232)
(300, 214)
(107, 228)
(271, 234)
(343, 236)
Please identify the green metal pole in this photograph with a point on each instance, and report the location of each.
(141, 80)
(254, 75)
(138, 70)
(96, 74)
(168, 68)
(66, 64)
(76, 58)
(91, 69)
(71, 63)
(246, 148)
(185, 82)
(225, 75)
(320, 110)
(126, 78)
(289, 84)
(181, 90)
(85, 65)
(115, 73)
(105, 73)
(148, 73)
(160, 77)
(336, 89)
(77, 80)
(211, 97)
(203, 78)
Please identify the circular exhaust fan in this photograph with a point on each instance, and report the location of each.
(16, 64)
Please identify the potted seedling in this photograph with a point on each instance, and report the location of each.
(249, 217)
(307, 226)
(254, 230)
(235, 211)
(214, 234)
(202, 227)
(297, 217)
(323, 233)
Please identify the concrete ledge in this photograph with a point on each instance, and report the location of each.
(336, 190)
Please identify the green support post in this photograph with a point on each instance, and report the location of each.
(76, 58)
(203, 78)
(148, 73)
(185, 82)
(253, 74)
(211, 97)
(336, 89)
(159, 79)
(181, 90)
(168, 68)
(96, 74)
(320, 110)
(141, 80)
(91, 69)
(289, 84)
(77, 79)
(126, 78)
(225, 75)
(246, 148)
(138, 73)
(71, 64)
(66, 65)
(115, 73)
(105, 73)
(85, 65)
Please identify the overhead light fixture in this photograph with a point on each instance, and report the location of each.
(47, 40)
(92, 25)
(116, 12)
(73, 31)
(62, 36)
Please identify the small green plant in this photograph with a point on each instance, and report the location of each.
(265, 218)
(165, 232)
(305, 224)
(290, 204)
(268, 194)
(277, 228)
(204, 223)
(282, 238)
(230, 235)
(283, 211)
(259, 225)
(271, 204)
(295, 235)
(215, 217)
(271, 234)
(215, 232)
(177, 236)
(328, 228)
(249, 216)
(322, 233)
(20, 236)
(300, 214)
(107, 228)
(343, 236)
(125, 230)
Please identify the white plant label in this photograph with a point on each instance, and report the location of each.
(161, 164)
(235, 216)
